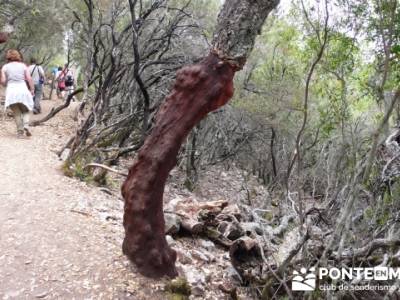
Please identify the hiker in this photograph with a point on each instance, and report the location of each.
(38, 78)
(54, 77)
(15, 76)
(54, 71)
(69, 80)
(60, 78)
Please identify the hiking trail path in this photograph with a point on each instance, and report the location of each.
(59, 238)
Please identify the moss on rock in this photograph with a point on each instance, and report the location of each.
(178, 289)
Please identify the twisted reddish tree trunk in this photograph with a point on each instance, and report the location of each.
(198, 90)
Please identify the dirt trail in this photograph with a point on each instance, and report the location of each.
(53, 244)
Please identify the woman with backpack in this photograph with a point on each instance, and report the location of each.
(60, 78)
(15, 75)
(65, 79)
(69, 80)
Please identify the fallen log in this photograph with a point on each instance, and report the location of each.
(368, 249)
(95, 165)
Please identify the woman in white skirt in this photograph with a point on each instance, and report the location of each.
(19, 99)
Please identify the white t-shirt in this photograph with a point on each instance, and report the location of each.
(58, 73)
(36, 71)
(15, 72)
(17, 91)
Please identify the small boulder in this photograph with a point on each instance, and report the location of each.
(65, 154)
(184, 258)
(194, 276)
(172, 223)
(207, 245)
(200, 256)
(198, 291)
(170, 240)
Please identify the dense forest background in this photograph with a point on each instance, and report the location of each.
(314, 117)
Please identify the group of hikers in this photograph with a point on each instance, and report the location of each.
(24, 86)
(64, 78)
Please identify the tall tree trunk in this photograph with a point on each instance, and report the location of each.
(198, 90)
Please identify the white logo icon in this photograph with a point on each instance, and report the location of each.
(304, 281)
(381, 273)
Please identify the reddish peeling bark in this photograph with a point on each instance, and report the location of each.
(3, 37)
(198, 90)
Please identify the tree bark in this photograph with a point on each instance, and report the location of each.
(3, 37)
(198, 90)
